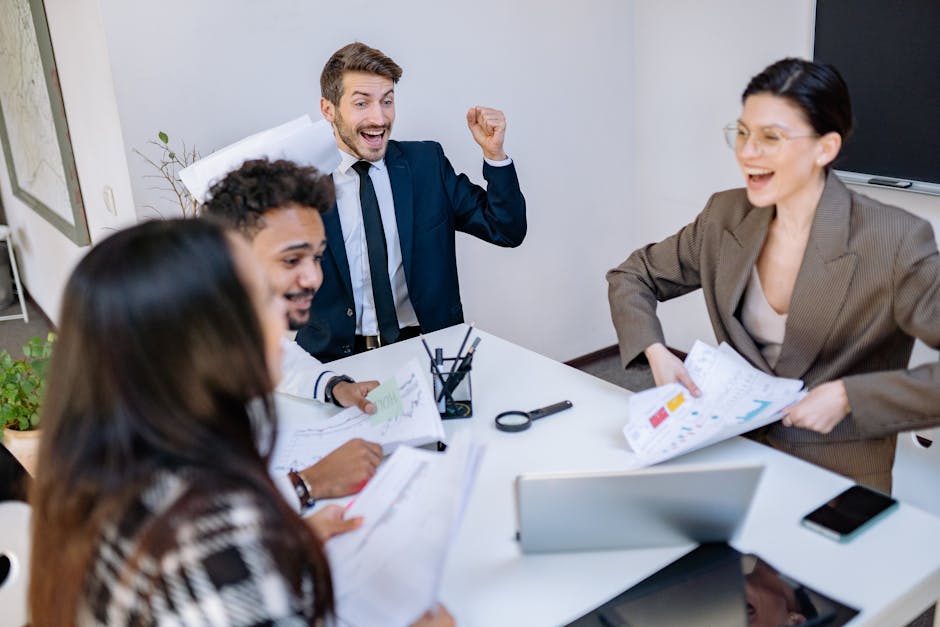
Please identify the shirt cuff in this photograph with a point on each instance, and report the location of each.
(319, 386)
(498, 164)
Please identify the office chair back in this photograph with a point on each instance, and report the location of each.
(14, 563)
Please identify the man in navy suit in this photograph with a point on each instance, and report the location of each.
(390, 269)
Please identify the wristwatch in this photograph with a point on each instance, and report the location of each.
(332, 383)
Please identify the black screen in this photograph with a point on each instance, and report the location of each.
(716, 585)
(850, 510)
(888, 51)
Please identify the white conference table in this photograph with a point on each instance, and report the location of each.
(891, 572)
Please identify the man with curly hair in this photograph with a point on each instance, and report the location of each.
(277, 206)
(390, 268)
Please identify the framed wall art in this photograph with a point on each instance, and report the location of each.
(33, 127)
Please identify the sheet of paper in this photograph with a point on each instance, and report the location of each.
(387, 400)
(308, 430)
(736, 397)
(301, 140)
(387, 571)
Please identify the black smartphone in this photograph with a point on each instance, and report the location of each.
(850, 513)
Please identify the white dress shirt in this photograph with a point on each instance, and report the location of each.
(346, 181)
(302, 374)
(357, 254)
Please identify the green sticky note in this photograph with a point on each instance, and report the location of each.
(387, 401)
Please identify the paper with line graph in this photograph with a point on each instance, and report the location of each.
(406, 414)
(388, 571)
(736, 397)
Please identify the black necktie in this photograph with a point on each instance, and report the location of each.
(378, 256)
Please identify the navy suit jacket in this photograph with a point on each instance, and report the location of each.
(432, 202)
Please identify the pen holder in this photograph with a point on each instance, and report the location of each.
(458, 402)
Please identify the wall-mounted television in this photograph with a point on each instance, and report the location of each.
(888, 51)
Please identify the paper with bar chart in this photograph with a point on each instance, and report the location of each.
(667, 421)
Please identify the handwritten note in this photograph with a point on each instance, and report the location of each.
(387, 399)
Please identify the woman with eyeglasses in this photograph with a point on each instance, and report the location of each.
(805, 278)
(152, 503)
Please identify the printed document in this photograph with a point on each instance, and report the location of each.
(405, 414)
(301, 140)
(387, 571)
(668, 421)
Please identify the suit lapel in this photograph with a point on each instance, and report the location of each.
(336, 251)
(822, 282)
(739, 249)
(399, 176)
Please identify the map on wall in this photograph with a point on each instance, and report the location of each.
(33, 127)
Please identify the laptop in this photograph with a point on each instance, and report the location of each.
(716, 585)
(662, 506)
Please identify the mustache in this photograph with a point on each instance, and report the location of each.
(300, 294)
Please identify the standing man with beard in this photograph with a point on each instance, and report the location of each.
(277, 207)
(390, 268)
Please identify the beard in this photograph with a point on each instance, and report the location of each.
(297, 319)
(355, 144)
(295, 323)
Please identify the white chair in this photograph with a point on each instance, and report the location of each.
(917, 469)
(6, 235)
(917, 461)
(14, 552)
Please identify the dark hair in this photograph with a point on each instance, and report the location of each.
(159, 365)
(816, 88)
(354, 57)
(241, 199)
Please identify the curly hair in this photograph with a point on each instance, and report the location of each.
(115, 417)
(241, 199)
(354, 57)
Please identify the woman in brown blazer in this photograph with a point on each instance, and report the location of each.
(803, 277)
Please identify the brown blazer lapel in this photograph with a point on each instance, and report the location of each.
(739, 249)
(822, 282)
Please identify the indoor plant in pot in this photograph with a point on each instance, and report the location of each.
(22, 384)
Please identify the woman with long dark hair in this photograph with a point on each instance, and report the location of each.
(152, 501)
(804, 278)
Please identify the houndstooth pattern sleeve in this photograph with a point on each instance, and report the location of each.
(217, 570)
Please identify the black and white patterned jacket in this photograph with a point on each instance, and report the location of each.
(213, 567)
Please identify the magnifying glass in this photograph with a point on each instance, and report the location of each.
(512, 421)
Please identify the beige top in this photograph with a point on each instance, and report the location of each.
(762, 321)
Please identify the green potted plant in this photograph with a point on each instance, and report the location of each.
(22, 384)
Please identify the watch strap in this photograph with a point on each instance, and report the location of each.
(332, 383)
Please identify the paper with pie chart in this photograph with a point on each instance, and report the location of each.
(668, 421)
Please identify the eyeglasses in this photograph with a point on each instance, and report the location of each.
(769, 140)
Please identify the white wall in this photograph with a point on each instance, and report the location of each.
(46, 257)
(615, 110)
(693, 60)
(213, 71)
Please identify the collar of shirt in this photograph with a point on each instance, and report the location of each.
(347, 161)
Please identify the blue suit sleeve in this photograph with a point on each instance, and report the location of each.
(495, 214)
